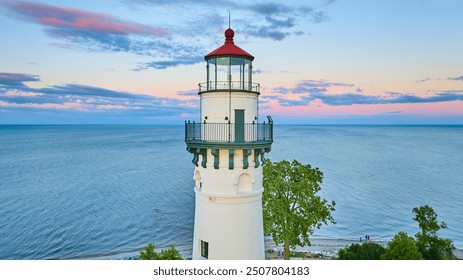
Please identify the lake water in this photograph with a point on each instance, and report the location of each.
(101, 191)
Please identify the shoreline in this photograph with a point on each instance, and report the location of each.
(320, 249)
(325, 248)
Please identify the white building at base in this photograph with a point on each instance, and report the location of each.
(228, 146)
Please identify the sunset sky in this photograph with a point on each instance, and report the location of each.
(318, 62)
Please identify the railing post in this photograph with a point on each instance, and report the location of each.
(270, 122)
(254, 132)
(204, 131)
(195, 130)
(186, 131)
(191, 133)
(229, 131)
(271, 131)
(265, 132)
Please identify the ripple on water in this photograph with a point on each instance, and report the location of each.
(79, 191)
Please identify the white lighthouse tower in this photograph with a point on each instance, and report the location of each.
(228, 146)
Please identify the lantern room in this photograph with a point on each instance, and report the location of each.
(229, 68)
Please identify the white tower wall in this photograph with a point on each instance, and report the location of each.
(230, 226)
(218, 105)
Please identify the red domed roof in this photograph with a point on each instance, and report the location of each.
(229, 48)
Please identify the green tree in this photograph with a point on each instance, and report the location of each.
(149, 253)
(168, 254)
(366, 251)
(171, 254)
(402, 247)
(429, 244)
(291, 207)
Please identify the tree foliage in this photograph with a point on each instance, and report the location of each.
(402, 247)
(429, 244)
(366, 251)
(171, 254)
(291, 207)
(150, 254)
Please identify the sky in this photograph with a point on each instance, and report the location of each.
(317, 61)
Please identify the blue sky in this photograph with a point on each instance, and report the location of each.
(318, 62)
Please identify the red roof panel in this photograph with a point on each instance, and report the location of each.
(229, 48)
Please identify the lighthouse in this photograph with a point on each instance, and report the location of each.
(228, 144)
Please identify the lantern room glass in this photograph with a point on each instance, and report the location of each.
(234, 73)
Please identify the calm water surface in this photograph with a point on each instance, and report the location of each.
(87, 191)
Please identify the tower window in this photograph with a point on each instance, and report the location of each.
(204, 249)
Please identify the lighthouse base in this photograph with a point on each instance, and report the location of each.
(228, 227)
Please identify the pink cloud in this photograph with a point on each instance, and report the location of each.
(69, 18)
(52, 21)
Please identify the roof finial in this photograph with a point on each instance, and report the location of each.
(229, 33)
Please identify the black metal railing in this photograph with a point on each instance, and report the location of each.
(229, 85)
(229, 132)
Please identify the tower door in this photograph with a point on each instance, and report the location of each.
(239, 125)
